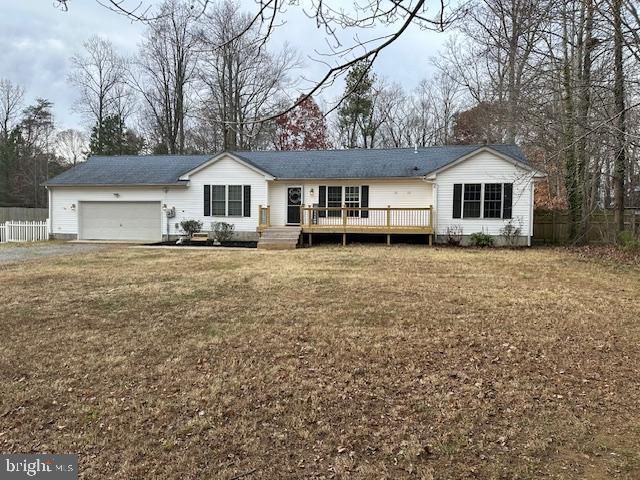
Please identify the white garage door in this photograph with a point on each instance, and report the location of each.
(137, 221)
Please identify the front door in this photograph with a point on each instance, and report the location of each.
(294, 200)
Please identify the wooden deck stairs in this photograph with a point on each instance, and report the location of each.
(280, 238)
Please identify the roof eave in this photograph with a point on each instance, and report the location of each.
(174, 184)
(399, 177)
(240, 159)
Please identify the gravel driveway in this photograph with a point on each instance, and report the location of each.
(17, 253)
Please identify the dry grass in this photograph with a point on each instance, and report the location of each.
(354, 363)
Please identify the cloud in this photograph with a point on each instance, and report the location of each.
(37, 40)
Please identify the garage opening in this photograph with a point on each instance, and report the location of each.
(127, 221)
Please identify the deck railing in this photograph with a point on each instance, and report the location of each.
(360, 219)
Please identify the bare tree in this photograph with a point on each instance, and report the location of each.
(72, 146)
(11, 97)
(620, 123)
(242, 80)
(99, 75)
(166, 73)
(391, 17)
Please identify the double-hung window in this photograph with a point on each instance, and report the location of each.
(227, 200)
(482, 200)
(219, 200)
(492, 200)
(234, 201)
(472, 200)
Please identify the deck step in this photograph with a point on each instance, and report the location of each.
(280, 238)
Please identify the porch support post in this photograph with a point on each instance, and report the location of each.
(344, 239)
(311, 239)
(430, 240)
(388, 239)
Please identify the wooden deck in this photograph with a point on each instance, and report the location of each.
(386, 220)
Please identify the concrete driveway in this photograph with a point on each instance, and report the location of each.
(19, 252)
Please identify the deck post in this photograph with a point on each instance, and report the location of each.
(311, 239)
(344, 239)
(388, 239)
(388, 216)
(430, 240)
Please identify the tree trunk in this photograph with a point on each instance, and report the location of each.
(571, 178)
(620, 123)
(584, 106)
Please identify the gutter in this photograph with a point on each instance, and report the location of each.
(121, 185)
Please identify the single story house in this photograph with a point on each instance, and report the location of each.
(430, 191)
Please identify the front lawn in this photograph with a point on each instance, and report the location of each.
(351, 363)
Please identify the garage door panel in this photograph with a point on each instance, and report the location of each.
(139, 221)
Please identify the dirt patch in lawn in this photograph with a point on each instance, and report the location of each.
(357, 362)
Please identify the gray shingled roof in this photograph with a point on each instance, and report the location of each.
(129, 170)
(313, 164)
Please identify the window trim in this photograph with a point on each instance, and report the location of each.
(480, 201)
(482, 191)
(213, 211)
(241, 201)
(501, 200)
(343, 201)
(226, 200)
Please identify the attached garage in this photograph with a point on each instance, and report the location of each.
(134, 221)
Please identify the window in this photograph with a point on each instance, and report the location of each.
(334, 199)
(493, 200)
(477, 200)
(218, 195)
(234, 205)
(228, 200)
(472, 200)
(352, 199)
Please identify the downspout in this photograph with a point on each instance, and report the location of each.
(50, 196)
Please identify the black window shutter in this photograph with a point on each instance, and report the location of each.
(207, 200)
(322, 200)
(247, 201)
(364, 200)
(457, 200)
(508, 200)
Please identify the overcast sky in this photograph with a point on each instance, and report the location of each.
(37, 40)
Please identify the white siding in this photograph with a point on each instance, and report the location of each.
(225, 171)
(188, 201)
(397, 193)
(484, 167)
(65, 200)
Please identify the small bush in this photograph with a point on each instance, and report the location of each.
(627, 241)
(481, 239)
(454, 235)
(222, 231)
(511, 232)
(191, 226)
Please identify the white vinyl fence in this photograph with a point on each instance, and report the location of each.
(24, 231)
